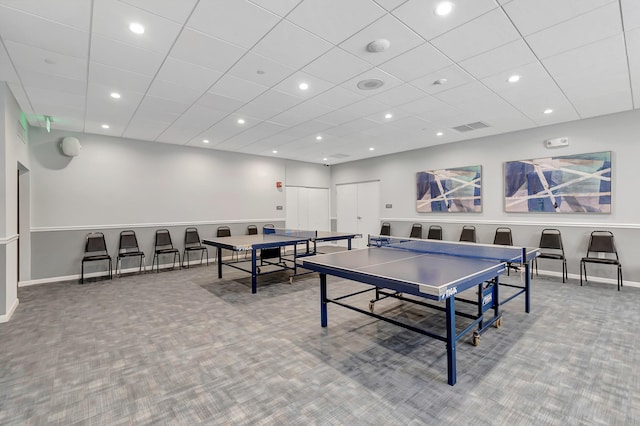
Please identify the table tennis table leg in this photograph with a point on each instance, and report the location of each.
(527, 287)
(254, 275)
(323, 300)
(219, 262)
(349, 243)
(451, 340)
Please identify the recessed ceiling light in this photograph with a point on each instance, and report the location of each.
(444, 8)
(115, 95)
(318, 138)
(324, 159)
(388, 115)
(303, 86)
(371, 149)
(136, 28)
(514, 78)
(105, 126)
(241, 121)
(205, 140)
(439, 134)
(274, 151)
(548, 111)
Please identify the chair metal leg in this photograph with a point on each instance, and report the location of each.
(583, 266)
(82, 274)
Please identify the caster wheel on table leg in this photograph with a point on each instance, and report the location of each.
(371, 306)
(499, 322)
(476, 339)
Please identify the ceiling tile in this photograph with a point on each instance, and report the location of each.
(236, 88)
(325, 66)
(260, 70)
(454, 76)
(399, 95)
(633, 51)
(259, 131)
(415, 63)
(26, 57)
(592, 26)
(190, 47)
(157, 109)
(7, 72)
(419, 15)
(532, 16)
(145, 129)
(101, 107)
(291, 84)
(170, 91)
(120, 55)
(301, 113)
(631, 13)
(501, 59)
(374, 73)
(48, 101)
(115, 18)
(337, 97)
(31, 78)
(236, 21)
(118, 80)
(177, 11)
(187, 75)
(43, 33)
(346, 17)
(268, 104)
(219, 102)
(533, 78)
(279, 7)
(462, 95)
(401, 39)
(291, 46)
(72, 13)
(486, 32)
(390, 4)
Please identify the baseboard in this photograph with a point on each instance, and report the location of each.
(602, 280)
(76, 277)
(6, 317)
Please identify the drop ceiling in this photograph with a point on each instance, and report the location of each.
(203, 65)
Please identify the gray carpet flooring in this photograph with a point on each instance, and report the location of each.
(184, 347)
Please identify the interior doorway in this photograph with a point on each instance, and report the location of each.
(358, 210)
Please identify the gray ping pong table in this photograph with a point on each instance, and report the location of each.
(274, 239)
(432, 270)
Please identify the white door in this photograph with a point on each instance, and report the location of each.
(358, 210)
(308, 208)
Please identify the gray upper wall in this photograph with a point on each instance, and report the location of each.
(618, 133)
(117, 181)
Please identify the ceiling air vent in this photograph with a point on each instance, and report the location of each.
(339, 156)
(471, 126)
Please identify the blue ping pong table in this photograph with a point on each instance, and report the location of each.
(273, 238)
(428, 269)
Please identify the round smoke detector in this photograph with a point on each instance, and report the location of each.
(370, 84)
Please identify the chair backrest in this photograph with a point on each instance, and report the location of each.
(503, 237)
(602, 242)
(551, 239)
(416, 231)
(269, 226)
(435, 232)
(191, 237)
(252, 230)
(385, 229)
(163, 238)
(95, 244)
(223, 231)
(128, 242)
(468, 234)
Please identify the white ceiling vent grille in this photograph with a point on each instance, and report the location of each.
(470, 127)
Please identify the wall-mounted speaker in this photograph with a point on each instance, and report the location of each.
(70, 146)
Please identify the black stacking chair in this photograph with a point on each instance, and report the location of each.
(468, 234)
(95, 249)
(128, 247)
(435, 232)
(252, 230)
(601, 242)
(225, 231)
(385, 229)
(503, 237)
(192, 243)
(551, 248)
(416, 231)
(163, 245)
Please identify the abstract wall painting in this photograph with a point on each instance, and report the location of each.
(449, 190)
(578, 183)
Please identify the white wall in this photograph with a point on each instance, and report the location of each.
(117, 184)
(618, 133)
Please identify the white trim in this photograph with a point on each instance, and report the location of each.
(9, 239)
(149, 225)
(591, 279)
(546, 224)
(7, 317)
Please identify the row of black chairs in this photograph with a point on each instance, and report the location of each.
(600, 250)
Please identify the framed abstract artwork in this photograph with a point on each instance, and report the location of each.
(579, 183)
(449, 190)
